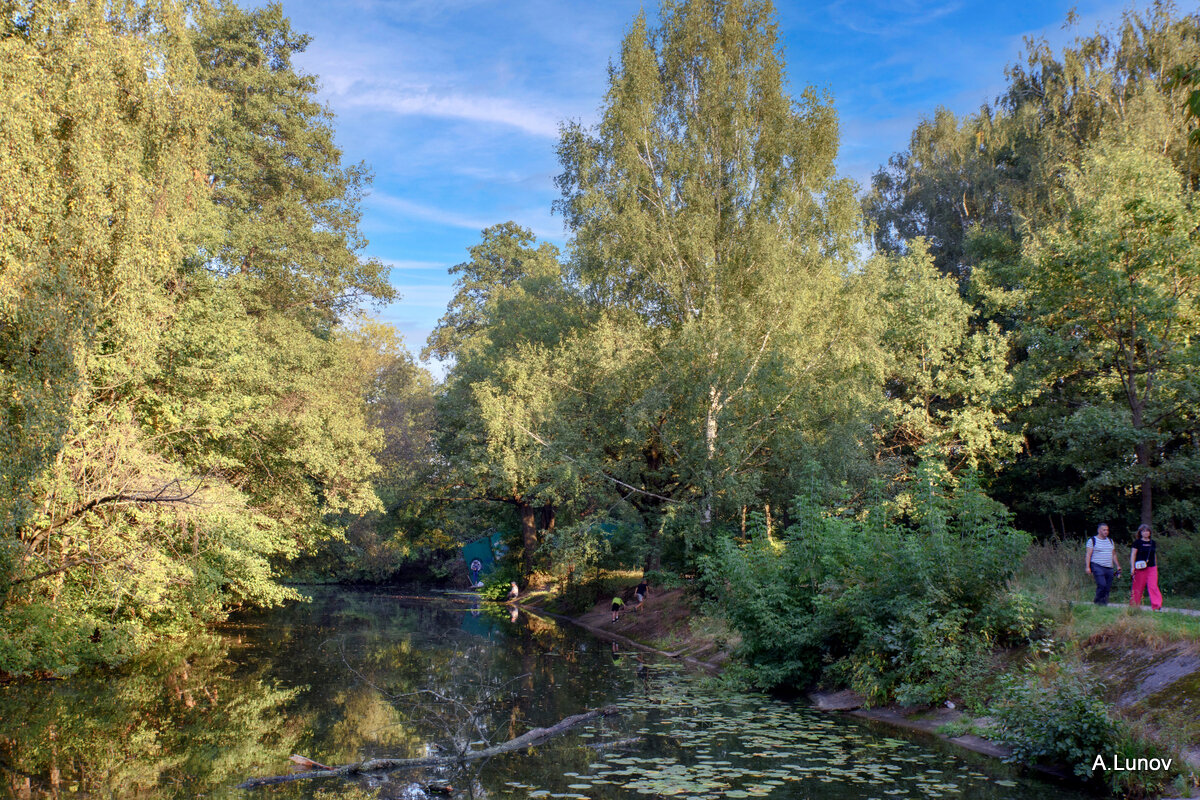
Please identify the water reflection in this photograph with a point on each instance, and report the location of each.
(176, 723)
(355, 675)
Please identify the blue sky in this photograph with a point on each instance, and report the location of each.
(455, 104)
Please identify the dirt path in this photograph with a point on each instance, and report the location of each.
(1191, 612)
(664, 626)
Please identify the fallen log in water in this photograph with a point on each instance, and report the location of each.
(522, 742)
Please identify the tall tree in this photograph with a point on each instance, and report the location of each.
(177, 426)
(501, 329)
(1112, 296)
(706, 204)
(287, 261)
(104, 126)
(290, 208)
(995, 170)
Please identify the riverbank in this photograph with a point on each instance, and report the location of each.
(666, 625)
(1148, 665)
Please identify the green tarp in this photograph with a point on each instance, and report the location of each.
(479, 558)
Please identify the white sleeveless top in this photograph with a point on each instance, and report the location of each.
(1102, 551)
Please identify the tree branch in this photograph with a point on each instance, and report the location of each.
(522, 742)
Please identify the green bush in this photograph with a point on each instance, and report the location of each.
(498, 582)
(901, 601)
(1179, 573)
(1054, 715)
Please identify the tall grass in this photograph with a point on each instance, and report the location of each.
(1054, 570)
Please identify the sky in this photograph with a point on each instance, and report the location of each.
(455, 104)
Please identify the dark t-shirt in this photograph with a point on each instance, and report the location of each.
(1145, 551)
(642, 587)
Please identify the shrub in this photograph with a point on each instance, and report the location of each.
(498, 582)
(1180, 570)
(902, 601)
(1054, 714)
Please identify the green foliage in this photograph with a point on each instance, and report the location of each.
(1054, 716)
(897, 611)
(1000, 194)
(182, 410)
(289, 208)
(666, 579)
(1054, 713)
(1179, 570)
(713, 234)
(1113, 296)
(503, 404)
(498, 583)
(945, 386)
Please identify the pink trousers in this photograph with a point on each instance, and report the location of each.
(1144, 579)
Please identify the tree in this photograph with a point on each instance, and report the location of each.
(502, 330)
(178, 427)
(290, 209)
(104, 123)
(706, 206)
(949, 181)
(505, 255)
(994, 170)
(1112, 297)
(945, 385)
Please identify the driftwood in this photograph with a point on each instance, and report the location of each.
(522, 742)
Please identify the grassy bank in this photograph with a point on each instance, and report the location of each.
(1026, 664)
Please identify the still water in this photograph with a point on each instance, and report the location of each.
(352, 676)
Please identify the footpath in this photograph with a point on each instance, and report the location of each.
(1191, 612)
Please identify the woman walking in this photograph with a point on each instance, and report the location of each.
(1143, 561)
(1101, 564)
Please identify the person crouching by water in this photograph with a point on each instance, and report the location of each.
(1143, 565)
(616, 607)
(1100, 563)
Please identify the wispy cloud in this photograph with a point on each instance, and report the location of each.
(402, 207)
(482, 108)
(891, 17)
(538, 219)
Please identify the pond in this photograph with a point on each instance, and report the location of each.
(354, 675)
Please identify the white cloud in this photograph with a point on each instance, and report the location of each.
(491, 110)
(889, 18)
(538, 219)
(436, 267)
(398, 206)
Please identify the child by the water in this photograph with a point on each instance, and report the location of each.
(616, 607)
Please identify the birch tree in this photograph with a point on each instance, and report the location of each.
(706, 202)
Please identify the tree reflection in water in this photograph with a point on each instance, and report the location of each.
(175, 719)
(354, 676)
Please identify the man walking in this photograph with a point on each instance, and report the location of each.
(1100, 563)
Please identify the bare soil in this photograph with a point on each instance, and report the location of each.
(667, 624)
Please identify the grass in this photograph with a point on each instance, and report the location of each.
(697, 633)
(1088, 623)
(962, 727)
(1054, 571)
